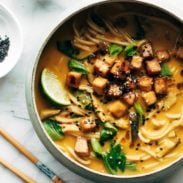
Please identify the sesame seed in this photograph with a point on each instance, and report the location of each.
(4, 47)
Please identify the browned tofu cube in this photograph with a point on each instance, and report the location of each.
(145, 83)
(81, 147)
(125, 66)
(101, 68)
(74, 79)
(149, 97)
(146, 50)
(87, 124)
(114, 90)
(153, 67)
(136, 62)
(129, 98)
(99, 84)
(120, 69)
(161, 85)
(117, 108)
(116, 69)
(163, 55)
(109, 60)
(130, 83)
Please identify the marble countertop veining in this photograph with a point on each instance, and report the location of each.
(14, 118)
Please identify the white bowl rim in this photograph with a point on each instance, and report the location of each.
(13, 57)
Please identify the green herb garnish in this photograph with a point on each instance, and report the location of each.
(115, 49)
(130, 50)
(77, 66)
(114, 159)
(106, 135)
(68, 49)
(84, 98)
(117, 159)
(53, 129)
(96, 147)
(108, 132)
(165, 70)
(140, 112)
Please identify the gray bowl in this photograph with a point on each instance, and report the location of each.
(131, 5)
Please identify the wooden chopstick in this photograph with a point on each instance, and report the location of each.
(17, 172)
(31, 157)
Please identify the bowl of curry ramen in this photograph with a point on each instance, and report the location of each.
(105, 93)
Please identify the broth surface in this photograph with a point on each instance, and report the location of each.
(163, 36)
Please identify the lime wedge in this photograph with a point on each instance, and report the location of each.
(53, 88)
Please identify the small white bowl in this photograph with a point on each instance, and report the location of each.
(9, 27)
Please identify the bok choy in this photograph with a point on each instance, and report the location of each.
(108, 132)
(53, 129)
(140, 112)
(84, 98)
(68, 49)
(114, 159)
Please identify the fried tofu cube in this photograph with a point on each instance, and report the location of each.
(153, 67)
(129, 98)
(136, 62)
(87, 124)
(125, 66)
(145, 83)
(120, 69)
(116, 69)
(130, 83)
(99, 84)
(146, 50)
(149, 97)
(114, 90)
(81, 147)
(160, 85)
(73, 79)
(117, 108)
(163, 55)
(109, 60)
(101, 68)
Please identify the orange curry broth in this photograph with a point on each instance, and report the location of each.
(57, 62)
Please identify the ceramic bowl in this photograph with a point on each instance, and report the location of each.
(139, 6)
(10, 27)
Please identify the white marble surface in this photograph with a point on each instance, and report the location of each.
(36, 18)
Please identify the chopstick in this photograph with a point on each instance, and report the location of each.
(17, 172)
(31, 157)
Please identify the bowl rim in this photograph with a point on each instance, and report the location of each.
(32, 109)
(18, 32)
